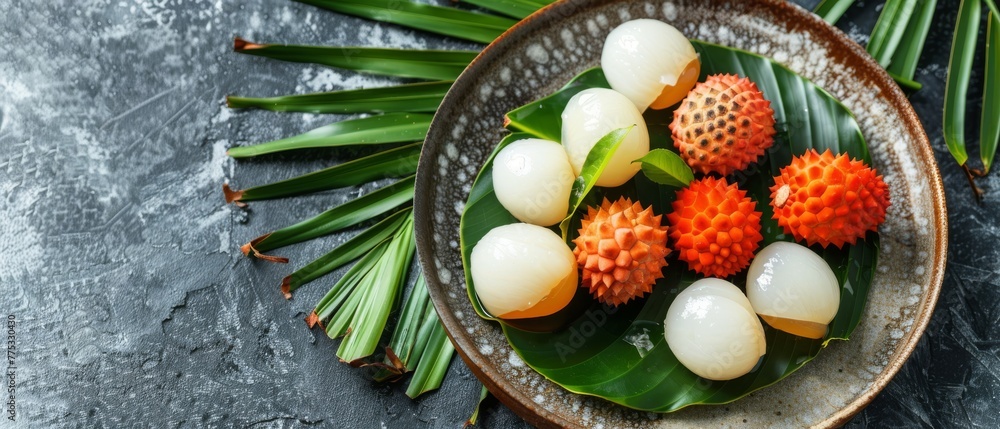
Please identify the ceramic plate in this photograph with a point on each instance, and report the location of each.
(542, 53)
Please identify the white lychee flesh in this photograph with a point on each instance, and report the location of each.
(712, 330)
(522, 271)
(793, 289)
(592, 114)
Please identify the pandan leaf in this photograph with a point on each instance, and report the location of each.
(832, 10)
(346, 252)
(405, 337)
(597, 160)
(990, 123)
(414, 63)
(329, 308)
(889, 29)
(474, 419)
(963, 50)
(513, 8)
(476, 27)
(401, 161)
(380, 129)
(666, 168)
(414, 97)
(434, 361)
(601, 362)
(350, 213)
(904, 61)
(992, 6)
(379, 292)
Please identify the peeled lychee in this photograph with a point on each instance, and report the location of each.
(715, 227)
(723, 125)
(621, 250)
(829, 199)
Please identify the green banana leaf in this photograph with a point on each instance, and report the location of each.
(619, 354)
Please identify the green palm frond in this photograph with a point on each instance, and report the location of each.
(513, 8)
(413, 63)
(832, 10)
(475, 27)
(381, 129)
(990, 121)
(401, 161)
(963, 48)
(348, 214)
(889, 29)
(359, 305)
(904, 61)
(414, 97)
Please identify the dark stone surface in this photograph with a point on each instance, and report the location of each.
(134, 306)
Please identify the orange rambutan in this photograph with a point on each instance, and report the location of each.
(723, 125)
(829, 199)
(622, 249)
(714, 227)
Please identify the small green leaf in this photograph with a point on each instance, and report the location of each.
(990, 131)
(346, 252)
(476, 27)
(963, 50)
(597, 160)
(666, 168)
(832, 10)
(350, 213)
(414, 63)
(380, 129)
(401, 161)
(543, 118)
(415, 97)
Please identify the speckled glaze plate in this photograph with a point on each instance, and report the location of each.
(542, 53)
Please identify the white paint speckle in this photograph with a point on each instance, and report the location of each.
(537, 53)
(670, 11)
(515, 361)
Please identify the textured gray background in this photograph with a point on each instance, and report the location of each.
(121, 263)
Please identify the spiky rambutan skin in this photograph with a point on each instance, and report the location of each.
(715, 227)
(621, 250)
(829, 199)
(723, 125)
